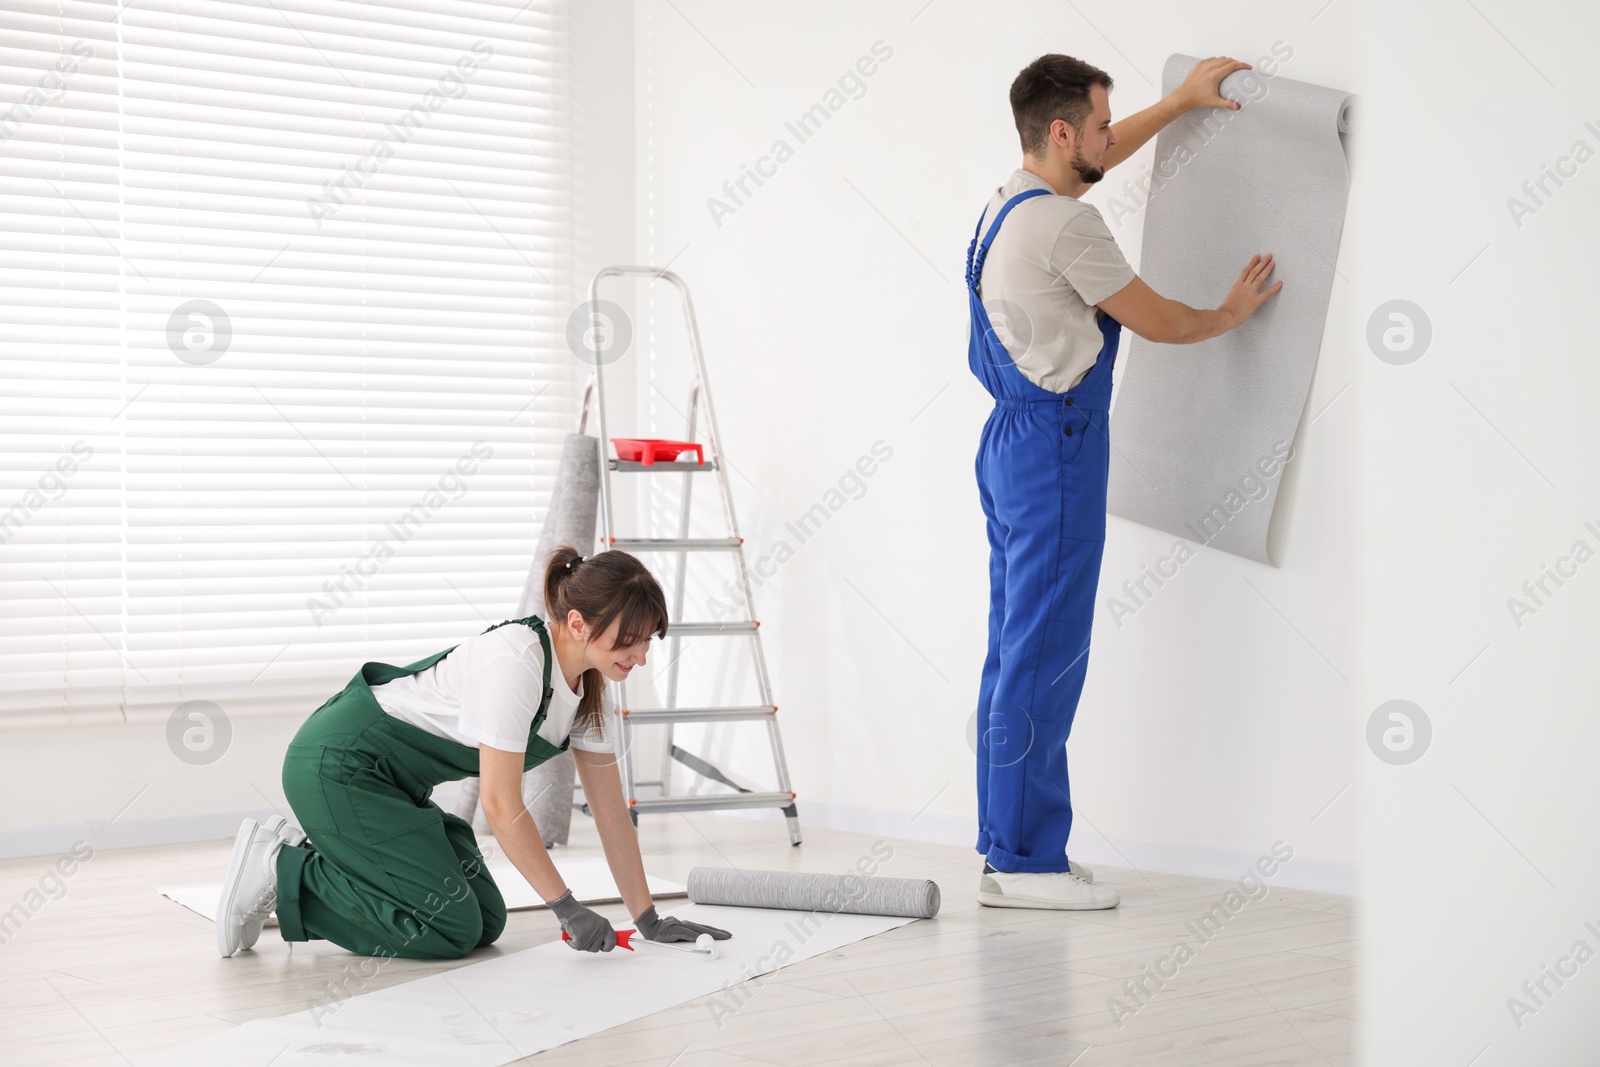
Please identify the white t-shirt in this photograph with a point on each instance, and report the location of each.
(1052, 261)
(487, 692)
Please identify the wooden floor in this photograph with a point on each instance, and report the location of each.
(110, 970)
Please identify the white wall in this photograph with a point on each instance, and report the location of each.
(834, 317)
(1477, 470)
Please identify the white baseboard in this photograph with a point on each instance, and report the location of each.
(125, 833)
(1201, 861)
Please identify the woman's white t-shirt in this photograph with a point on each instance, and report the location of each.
(487, 692)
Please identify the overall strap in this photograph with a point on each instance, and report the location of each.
(380, 673)
(976, 253)
(530, 760)
(536, 624)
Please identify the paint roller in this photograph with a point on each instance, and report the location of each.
(914, 898)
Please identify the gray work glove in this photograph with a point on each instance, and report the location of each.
(589, 931)
(670, 929)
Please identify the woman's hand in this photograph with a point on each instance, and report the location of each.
(589, 931)
(671, 929)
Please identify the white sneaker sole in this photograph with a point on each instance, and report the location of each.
(227, 932)
(1000, 900)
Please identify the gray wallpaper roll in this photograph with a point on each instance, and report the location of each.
(570, 519)
(916, 898)
(1200, 432)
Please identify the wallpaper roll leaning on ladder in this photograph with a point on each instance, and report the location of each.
(569, 519)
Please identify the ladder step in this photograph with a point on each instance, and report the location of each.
(723, 714)
(676, 544)
(629, 466)
(712, 801)
(710, 629)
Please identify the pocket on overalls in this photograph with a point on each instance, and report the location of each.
(1060, 671)
(1084, 467)
(1075, 427)
(303, 787)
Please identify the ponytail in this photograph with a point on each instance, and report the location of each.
(610, 587)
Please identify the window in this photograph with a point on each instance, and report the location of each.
(286, 374)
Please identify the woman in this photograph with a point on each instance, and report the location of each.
(385, 871)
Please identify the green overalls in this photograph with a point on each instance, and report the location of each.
(384, 871)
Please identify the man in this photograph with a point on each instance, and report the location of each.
(1049, 292)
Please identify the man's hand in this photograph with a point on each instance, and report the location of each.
(1199, 89)
(1247, 294)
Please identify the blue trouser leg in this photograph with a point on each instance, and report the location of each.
(990, 736)
(1039, 493)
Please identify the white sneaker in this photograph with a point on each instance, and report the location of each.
(1086, 873)
(251, 888)
(1057, 890)
(291, 834)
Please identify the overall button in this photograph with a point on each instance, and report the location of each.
(1069, 401)
(1068, 431)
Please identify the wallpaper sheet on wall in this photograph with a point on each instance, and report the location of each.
(1201, 432)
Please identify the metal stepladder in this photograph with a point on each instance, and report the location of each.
(626, 717)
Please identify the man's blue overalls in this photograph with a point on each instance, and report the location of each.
(1043, 460)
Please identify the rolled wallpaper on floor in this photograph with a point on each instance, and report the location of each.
(1201, 432)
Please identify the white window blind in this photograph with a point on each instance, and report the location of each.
(286, 288)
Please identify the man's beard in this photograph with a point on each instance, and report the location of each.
(1085, 172)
